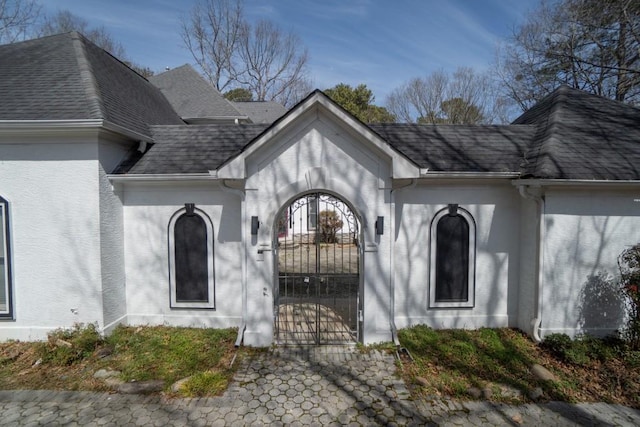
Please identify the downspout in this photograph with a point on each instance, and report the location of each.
(392, 281)
(525, 192)
(243, 325)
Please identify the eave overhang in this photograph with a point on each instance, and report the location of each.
(40, 128)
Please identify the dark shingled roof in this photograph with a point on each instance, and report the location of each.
(194, 149)
(460, 148)
(66, 77)
(192, 96)
(261, 111)
(583, 136)
(570, 134)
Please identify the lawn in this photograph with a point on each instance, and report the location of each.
(69, 359)
(451, 362)
(443, 363)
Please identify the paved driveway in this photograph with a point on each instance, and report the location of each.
(313, 386)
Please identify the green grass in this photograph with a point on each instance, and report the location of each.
(450, 362)
(169, 353)
(455, 360)
(69, 358)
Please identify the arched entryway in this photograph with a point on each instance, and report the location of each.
(318, 264)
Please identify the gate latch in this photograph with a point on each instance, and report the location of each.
(360, 316)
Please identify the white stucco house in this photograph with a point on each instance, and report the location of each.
(132, 201)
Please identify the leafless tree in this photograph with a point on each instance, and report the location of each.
(17, 18)
(593, 45)
(64, 21)
(464, 97)
(273, 62)
(212, 34)
(233, 53)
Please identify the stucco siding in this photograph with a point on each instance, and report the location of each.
(148, 209)
(319, 154)
(529, 260)
(495, 208)
(584, 232)
(53, 196)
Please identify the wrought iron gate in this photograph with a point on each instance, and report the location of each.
(318, 272)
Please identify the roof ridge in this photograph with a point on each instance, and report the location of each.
(87, 76)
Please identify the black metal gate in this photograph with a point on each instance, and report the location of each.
(318, 272)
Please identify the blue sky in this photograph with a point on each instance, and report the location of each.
(381, 43)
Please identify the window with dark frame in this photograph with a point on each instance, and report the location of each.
(191, 259)
(6, 306)
(452, 259)
(192, 273)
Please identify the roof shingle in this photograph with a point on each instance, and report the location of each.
(66, 77)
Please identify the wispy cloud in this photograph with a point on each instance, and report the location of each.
(382, 43)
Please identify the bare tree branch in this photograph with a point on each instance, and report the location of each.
(211, 33)
(465, 97)
(65, 21)
(17, 18)
(232, 53)
(592, 45)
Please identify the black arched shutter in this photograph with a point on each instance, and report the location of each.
(190, 233)
(452, 259)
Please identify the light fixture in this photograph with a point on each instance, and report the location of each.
(380, 225)
(255, 224)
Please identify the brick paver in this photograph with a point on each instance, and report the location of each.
(319, 386)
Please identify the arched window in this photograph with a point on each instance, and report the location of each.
(6, 290)
(452, 266)
(191, 259)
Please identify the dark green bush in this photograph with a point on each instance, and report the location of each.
(557, 344)
(65, 347)
(629, 263)
(584, 349)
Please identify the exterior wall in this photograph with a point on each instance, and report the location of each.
(147, 211)
(495, 206)
(112, 259)
(529, 264)
(54, 201)
(316, 154)
(584, 232)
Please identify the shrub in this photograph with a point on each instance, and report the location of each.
(629, 264)
(329, 223)
(67, 346)
(584, 349)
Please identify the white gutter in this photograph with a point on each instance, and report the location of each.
(575, 182)
(426, 173)
(525, 192)
(30, 124)
(39, 126)
(124, 131)
(155, 177)
(216, 120)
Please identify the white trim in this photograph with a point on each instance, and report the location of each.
(162, 177)
(401, 166)
(211, 303)
(45, 127)
(433, 244)
(426, 173)
(575, 182)
(5, 259)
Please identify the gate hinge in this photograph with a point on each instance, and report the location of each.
(360, 316)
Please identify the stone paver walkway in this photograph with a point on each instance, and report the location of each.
(305, 386)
